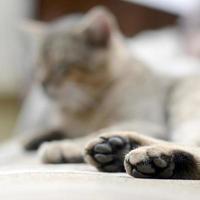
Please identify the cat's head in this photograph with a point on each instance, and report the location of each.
(73, 57)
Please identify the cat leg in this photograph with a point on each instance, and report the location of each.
(184, 111)
(72, 150)
(34, 140)
(163, 161)
(142, 157)
(107, 152)
(103, 148)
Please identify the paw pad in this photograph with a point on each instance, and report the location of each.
(109, 153)
(142, 164)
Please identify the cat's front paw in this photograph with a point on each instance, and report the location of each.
(107, 153)
(160, 162)
(60, 152)
(34, 141)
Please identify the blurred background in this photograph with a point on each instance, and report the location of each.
(165, 34)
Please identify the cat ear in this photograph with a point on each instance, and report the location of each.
(99, 24)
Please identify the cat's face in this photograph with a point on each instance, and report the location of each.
(74, 60)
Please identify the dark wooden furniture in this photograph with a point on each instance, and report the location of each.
(131, 17)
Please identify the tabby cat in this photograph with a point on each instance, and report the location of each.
(102, 97)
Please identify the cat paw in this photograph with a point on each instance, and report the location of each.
(60, 152)
(159, 162)
(33, 142)
(108, 153)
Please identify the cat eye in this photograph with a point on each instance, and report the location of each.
(61, 68)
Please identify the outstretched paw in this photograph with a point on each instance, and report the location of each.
(33, 142)
(160, 162)
(108, 153)
(60, 152)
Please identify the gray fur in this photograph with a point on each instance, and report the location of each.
(97, 86)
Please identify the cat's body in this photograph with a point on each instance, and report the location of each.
(98, 86)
